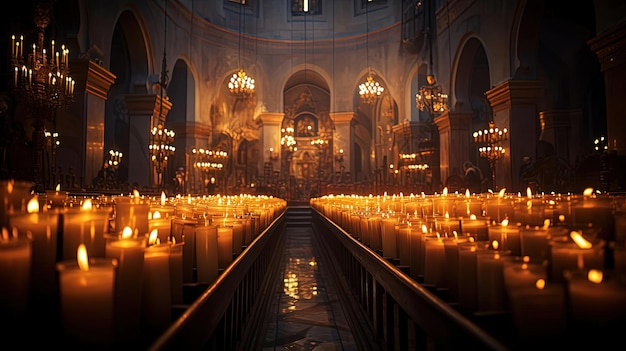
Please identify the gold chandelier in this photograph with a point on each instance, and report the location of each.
(42, 76)
(370, 90)
(431, 97)
(241, 85)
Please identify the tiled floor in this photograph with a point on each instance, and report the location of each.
(306, 313)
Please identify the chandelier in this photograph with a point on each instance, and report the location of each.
(42, 76)
(209, 159)
(161, 147)
(370, 90)
(287, 139)
(491, 149)
(241, 85)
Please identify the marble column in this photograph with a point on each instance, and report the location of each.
(454, 142)
(270, 138)
(189, 135)
(514, 105)
(144, 111)
(84, 152)
(342, 139)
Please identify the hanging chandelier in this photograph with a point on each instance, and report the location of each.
(241, 85)
(370, 90)
(431, 97)
(42, 76)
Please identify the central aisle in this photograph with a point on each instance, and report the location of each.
(305, 313)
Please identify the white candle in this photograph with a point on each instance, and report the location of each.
(129, 253)
(389, 238)
(131, 211)
(184, 230)
(15, 273)
(434, 261)
(156, 290)
(86, 225)
(86, 298)
(224, 246)
(490, 288)
(206, 253)
(176, 273)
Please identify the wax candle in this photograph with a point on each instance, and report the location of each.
(156, 290)
(467, 275)
(14, 196)
(567, 254)
(389, 237)
(206, 253)
(451, 271)
(500, 207)
(595, 211)
(162, 223)
(490, 288)
(86, 225)
(15, 273)
(376, 239)
(129, 253)
(434, 261)
(41, 228)
(176, 272)
(597, 301)
(224, 246)
(56, 198)
(534, 243)
(520, 272)
(131, 211)
(184, 231)
(403, 232)
(86, 299)
(507, 235)
(474, 226)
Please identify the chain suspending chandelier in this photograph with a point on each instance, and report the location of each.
(241, 85)
(370, 90)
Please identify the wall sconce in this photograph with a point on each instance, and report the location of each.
(273, 154)
(339, 155)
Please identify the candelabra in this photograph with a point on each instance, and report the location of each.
(287, 139)
(209, 161)
(491, 148)
(43, 79)
(273, 154)
(339, 155)
(431, 97)
(115, 158)
(52, 142)
(161, 149)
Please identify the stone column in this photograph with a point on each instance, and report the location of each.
(84, 151)
(514, 105)
(270, 138)
(342, 139)
(454, 142)
(144, 111)
(556, 128)
(190, 135)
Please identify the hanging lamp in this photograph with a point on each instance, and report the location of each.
(370, 90)
(241, 85)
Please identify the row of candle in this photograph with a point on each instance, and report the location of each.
(140, 252)
(484, 266)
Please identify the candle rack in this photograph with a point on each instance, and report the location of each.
(491, 148)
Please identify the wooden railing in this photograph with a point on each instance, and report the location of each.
(229, 311)
(399, 312)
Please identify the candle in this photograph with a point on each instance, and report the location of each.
(476, 227)
(86, 299)
(415, 246)
(224, 246)
(451, 270)
(467, 275)
(490, 288)
(56, 198)
(41, 228)
(434, 261)
(403, 232)
(594, 211)
(507, 236)
(131, 211)
(15, 273)
(156, 289)
(534, 243)
(376, 239)
(184, 231)
(575, 252)
(389, 237)
(86, 225)
(176, 272)
(162, 223)
(129, 253)
(206, 253)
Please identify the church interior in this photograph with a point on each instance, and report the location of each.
(312, 147)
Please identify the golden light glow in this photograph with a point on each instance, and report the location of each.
(81, 257)
(580, 240)
(540, 284)
(495, 244)
(588, 192)
(58, 188)
(127, 233)
(163, 198)
(153, 238)
(33, 205)
(595, 276)
(87, 205)
(370, 90)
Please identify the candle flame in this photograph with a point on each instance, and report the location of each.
(127, 233)
(153, 239)
(501, 193)
(471, 239)
(540, 284)
(467, 193)
(495, 244)
(10, 186)
(33, 205)
(562, 218)
(546, 223)
(473, 217)
(163, 198)
(588, 192)
(156, 215)
(445, 191)
(5, 233)
(82, 258)
(424, 228)
(529, 192)
(87, 205)
(595, 276)
(505, 222)
(496, 256)
(526, 259)
(58, 188)
(447, 215)
(580, 240)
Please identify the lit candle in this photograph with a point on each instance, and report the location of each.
(467, 275)
(86, 225)
(176, 272)
(132, 211)
(507, 236)
(15, 273)
(156, 289)
(129, 253)
(534, 242)
(224, 245)
(56, 198)
(434, 261)
(86, 299)
(162, 224)
(206, 253)
(451, 267)
(389, 237)
(490, 289)
(184, 231)
(41, 227)
(575, 252)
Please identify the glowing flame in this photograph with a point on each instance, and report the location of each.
(580, 240)
(540, 284)
(529, 193)
(81, 257)
(33, 205)
(501, 193)
(447, 215)
(127, 233)
(153, 239)
(473, 217)
(495, 244)
(424, 228)
(156, 215)
(87, 205)
(546, 223)
(505, 222)
(58, 188)
(595, 276)
(588, 192)
(163, 198)
(526, 259)
(467, 193)
(10, 186)
(445, 191)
